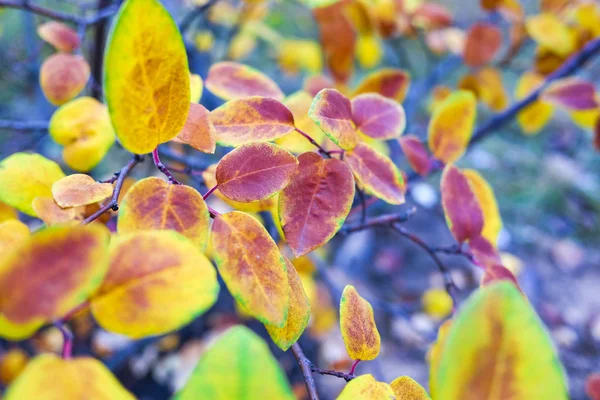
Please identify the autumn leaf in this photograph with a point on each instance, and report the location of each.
(196, 88)
(231, 80)
(572, 94)
(492, 221)
(357, 324)
(332, 111)
(377, 116)
(252, 119)
(49, 377)
(406, 388)
(251, 266)
(13, 233)
(83, 127)
(239, 365)
(536, 115)
(59, 35)
(377, 174)
(461, 206)
(388, 82)
(147, 92)
(157, 282)
(314, 206)
(79, 190)
(416, 154)
(505, 351)
(550, 32)
(23, 177)
(483, 42)
(68, 264)
(365, 387)
(451, 126)
(51, 213)
(255, 171)
(63, 76)
(299, 103)
(198, 131)
(152, 203)
(298, 313)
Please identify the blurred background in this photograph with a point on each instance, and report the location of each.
(547, 186)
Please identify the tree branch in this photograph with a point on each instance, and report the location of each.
(383, 220)
(113, 204)
(23, 125)
(58, 15)
(306, 368)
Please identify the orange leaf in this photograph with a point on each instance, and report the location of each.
(157, 282)
(253, 119)
(388, 82)
(63, 76)
(451, 126)
(298, 313)
(231, 80)
(358, 326)
(313, 207)
(377, 116)
(461, 207)
(377, 174)
(152, 203)
(252, 267)
(483, 42)
(79, 190)
(51, 213)
(255, 171)
(60, 267)
(332, 111)
(198, 131)
(416, 154)
(59, 35)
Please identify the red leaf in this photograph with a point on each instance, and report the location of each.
(483, 42)
(377, 116)
(572, 93)
(416, 154)
(592, 386)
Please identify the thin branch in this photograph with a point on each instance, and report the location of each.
(58, 15)
(383, 220)
(306, 367)
(67, 349)
(448, 282)
(314, 143)
(338, 374)
(23, 125)
(113, 204)
(210, 191)
(163, 168)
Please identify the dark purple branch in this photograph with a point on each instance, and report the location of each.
(23, 125)
(383, 220)
(58, 15)
(67, 349)
(338, 374)
(306, 367)
(163, 168)
(314, 143)
(113, 204)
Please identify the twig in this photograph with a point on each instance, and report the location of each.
(448, 282)
(314, 143)
(23, 125)
(338, 374)
(58, 15)
(307, 368)
(113, 204)
(163, 168)
(67, 349)
(210, 191)
(383, 220)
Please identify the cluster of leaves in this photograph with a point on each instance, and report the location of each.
(154, 274)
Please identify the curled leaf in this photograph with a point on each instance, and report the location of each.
(357, 324)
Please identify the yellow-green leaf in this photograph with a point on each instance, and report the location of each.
(365, 387)
(49, 377)
(298, 313)
(406, 388)
(497, 348)
(23, 177)
(252, 267)
(358, 326)
(146, 76)
(157, 282)
(240, 366)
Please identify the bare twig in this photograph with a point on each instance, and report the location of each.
(23, 125)
(306, 367)
(58, 15)
(314, 143)
(383, 221)
(338, 374)
(163, 168)
(113, 204)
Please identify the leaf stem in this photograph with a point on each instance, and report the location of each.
(67, 349)
(353, 367)
(314, 143)
(210, 191)
(163, 168)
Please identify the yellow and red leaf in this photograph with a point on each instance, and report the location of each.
(63, 76)
(357, 324)
(332, 111)
(388, 82)
(59, 35)
(198, 131)
(231, 80)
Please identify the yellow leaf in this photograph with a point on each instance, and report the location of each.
(406, 388)
(451, 126)
(437, 303)
(536, 115)
(79, 190)
(12, 363)
(50, 377)
(23, 177)
(7, 212)
(83, 127)
(368, 51)
(550, 32)
(157, 282)
(365, 387)
(492, 221)
(12, 234)
(146, 76)
(196, 88)
(204, 41)
(358, 326)
(298, 312)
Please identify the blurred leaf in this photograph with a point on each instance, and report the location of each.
(483, 42)
(550, 32)
(572, 94)
(537, 114)
(416, 154)
(230, 80)
(388, 82)
(59, 35)
(63, 76)
(13, 233)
